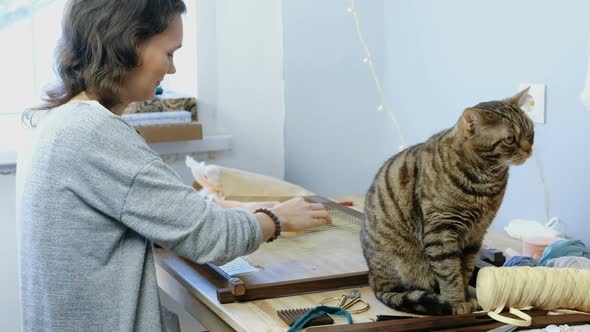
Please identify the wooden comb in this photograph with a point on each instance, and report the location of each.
(290, 316)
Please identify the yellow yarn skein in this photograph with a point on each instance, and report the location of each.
(540, 287)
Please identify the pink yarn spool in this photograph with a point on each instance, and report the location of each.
(534, 246)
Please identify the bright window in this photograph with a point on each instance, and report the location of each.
(29, 31)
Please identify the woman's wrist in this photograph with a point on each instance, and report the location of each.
(277, 223)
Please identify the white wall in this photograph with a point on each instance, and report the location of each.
(436, 58)
(240, 75)
(444, 56)
(336, 140)
(9, 304)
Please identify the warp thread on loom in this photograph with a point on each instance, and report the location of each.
(539, 287)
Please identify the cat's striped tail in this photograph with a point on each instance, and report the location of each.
(422, 302)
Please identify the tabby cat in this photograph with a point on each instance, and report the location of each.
(430, 205)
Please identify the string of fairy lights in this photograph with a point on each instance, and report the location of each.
(384, 105)
(545, 188)
(368, 59)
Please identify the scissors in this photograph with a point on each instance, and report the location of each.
(355, 299)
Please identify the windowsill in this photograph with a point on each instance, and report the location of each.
(7, 162)
(207, 144)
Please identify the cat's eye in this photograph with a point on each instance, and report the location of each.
(509, 140)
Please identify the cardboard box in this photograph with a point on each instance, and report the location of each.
(172, 133)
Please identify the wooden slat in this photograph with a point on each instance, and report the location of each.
(233, 284)
(492, 255)
(467, 322)
(302, 286)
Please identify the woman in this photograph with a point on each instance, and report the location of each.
(94, 196)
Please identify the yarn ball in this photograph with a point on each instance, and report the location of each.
(578, 263)
(541, 287)
(564, 248)
(521, 261)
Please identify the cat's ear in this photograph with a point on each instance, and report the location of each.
(519, 99)
(470, 120)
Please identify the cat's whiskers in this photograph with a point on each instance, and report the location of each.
(508, 163)
(503, 164)
(493, 168)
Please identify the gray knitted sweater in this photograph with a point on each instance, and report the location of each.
(92, 199)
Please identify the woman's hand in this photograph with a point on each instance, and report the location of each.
(299, 215)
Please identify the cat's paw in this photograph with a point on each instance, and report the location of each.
(462, 308)
(474, 304)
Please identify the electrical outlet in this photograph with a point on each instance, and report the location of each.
(534, 105)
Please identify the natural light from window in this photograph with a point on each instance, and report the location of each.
(27, 60)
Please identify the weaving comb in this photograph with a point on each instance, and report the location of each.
(290, 316)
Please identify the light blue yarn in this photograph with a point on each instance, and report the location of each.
(578, 263)
(564, 248)
(521, 261)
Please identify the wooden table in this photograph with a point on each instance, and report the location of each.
(198, 296)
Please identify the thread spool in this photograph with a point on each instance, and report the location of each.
(539, 287)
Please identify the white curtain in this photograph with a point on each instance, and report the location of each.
(586, 92)
(29, 31)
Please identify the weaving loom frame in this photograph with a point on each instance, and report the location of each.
(233, 289)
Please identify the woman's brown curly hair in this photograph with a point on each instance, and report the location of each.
(98, 46)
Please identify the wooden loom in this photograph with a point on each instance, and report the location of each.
(321, 259)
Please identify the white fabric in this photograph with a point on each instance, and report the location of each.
(586, 92)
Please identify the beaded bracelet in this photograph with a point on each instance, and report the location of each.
(275, 219)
